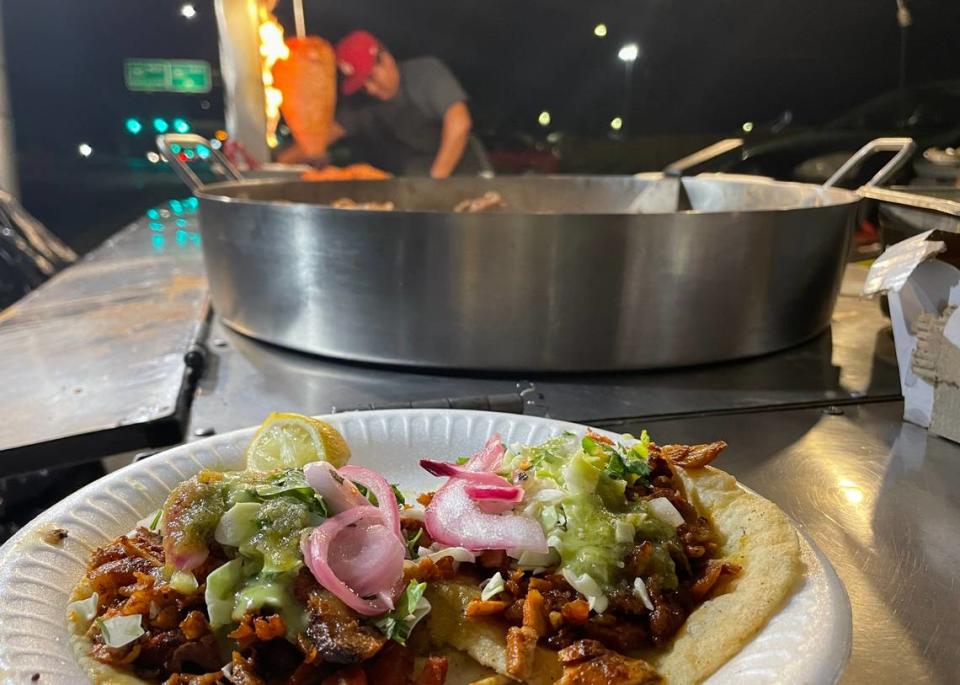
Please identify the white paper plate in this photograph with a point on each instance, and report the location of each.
(808, 641)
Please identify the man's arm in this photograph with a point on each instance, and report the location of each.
(453, 140)
(294, 154)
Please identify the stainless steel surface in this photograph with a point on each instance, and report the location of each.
(880, 498)
(562, 279)
(928, 203)
(241, 69)
(853, 362)
(903, 147)
(93, 361)
(911, 210)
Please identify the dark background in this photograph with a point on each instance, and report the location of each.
(706, 67)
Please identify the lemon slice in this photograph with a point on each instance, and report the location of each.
(287, 441)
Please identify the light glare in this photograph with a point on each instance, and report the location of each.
(629, 52)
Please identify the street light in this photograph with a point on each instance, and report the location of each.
(616, 123)
(188, 11)
(84, 149)
(600, 30)
(628, 55)
(544, 118)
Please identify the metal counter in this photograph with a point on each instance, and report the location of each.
(94, 362)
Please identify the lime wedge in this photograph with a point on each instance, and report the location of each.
(287, 441)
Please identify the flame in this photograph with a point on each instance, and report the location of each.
(272, 50)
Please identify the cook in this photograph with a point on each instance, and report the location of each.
(408, 117)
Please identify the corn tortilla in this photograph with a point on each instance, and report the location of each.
(757, 535)
(754, 533)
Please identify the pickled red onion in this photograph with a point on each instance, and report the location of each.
(489, 458)
(356, 556)
(377, 484)
(338, 493)
(504, 493)
(495, 499)
(454, 518)
(445, 468)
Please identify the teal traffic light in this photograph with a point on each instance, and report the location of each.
(160, 125)
(133, 126)
(181, 125)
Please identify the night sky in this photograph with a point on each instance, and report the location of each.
(706, 65)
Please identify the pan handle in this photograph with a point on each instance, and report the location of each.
(721, 147)
(924, 202)
(177, 147)
(904, 147)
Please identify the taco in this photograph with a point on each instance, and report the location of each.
(679, 600)
(580, 560)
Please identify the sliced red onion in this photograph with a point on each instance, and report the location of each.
(359, 551)
(506, 493)
(495, 499)
(445, 468)
(185, 559)
(494, 506)
(386, 498)
(454, 518)
(356, 556)
(338, 493)
(489, 458)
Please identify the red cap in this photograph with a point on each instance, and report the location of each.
(356, 55)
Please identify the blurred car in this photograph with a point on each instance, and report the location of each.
(930, 114)
(517, 152)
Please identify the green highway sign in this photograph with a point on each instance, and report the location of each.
(167, 75)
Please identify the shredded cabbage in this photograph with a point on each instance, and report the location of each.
(587, 586)
(492, 587)
(238, 524)
(120, 630)
(220, 594)
(436, 552)
(411, 607)
(84, 610)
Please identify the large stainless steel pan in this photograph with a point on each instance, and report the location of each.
(563, 279)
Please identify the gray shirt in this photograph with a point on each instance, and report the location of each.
(402, 135)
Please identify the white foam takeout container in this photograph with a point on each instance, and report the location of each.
(921, 278)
